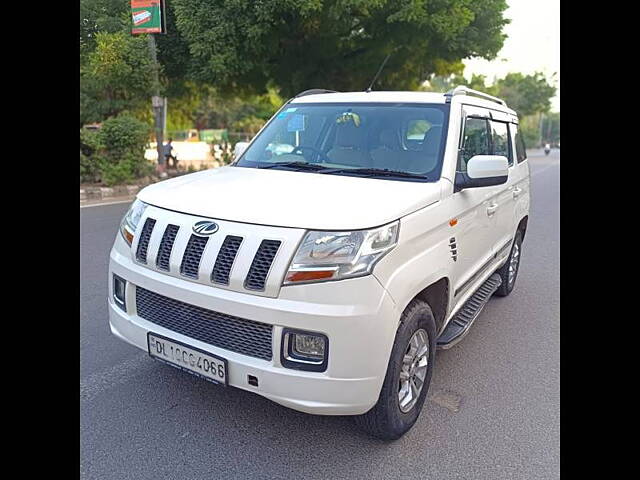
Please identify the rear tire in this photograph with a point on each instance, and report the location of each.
(387, 420)
(513, 262)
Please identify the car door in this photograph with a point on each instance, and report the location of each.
(474, 234)
(519, 181)
(502, 202)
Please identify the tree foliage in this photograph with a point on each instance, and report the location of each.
(203, 106)
(245, 48)
(526, 94)
(337, 44)
(106, 16)
(446, 83)
(116, 76)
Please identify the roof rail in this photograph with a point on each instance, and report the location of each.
(462, 90)
(314, 91)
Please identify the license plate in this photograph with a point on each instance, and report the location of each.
(184, 357)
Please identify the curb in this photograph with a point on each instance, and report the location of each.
(106, 193)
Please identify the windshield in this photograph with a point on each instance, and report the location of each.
(392, 141)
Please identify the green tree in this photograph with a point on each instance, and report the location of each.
(115, 77)
(526, 94)
(243, 45)
(107, 16)
(445, 83)
(551, 128)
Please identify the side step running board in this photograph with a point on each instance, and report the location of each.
(459, 325)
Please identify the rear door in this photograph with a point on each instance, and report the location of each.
(503, 201)
(519, 185)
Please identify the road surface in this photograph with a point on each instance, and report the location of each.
(493, 409)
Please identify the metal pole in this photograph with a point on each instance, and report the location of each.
(157, 103)
(164, 117)
(540, 129)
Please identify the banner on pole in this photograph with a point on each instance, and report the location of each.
(147, 16)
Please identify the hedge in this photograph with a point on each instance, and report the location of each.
(114, 154)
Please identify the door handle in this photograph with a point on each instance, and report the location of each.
(491, 209)
(516, 192)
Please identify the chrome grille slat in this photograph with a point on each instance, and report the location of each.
(261, 264)
(239, 257)
(224, 260)
(166, 245)
(190, 265)
(237, 334)
(143, 243)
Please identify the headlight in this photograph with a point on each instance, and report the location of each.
(131, 219)
(326, 256)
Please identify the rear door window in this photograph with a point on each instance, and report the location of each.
(521, 151)
(501, 144)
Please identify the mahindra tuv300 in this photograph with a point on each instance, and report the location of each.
(355, 234)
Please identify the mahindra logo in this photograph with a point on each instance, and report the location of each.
(205, 227)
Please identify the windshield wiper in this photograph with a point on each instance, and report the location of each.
(300, 166)
(376, 172)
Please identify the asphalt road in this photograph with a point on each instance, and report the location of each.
(493, 409)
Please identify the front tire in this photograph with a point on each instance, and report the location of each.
(408, 376)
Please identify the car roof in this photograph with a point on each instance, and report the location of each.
(399, 97)
(376, 97)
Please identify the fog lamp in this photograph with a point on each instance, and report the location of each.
(304, 350)
(311, 346)
(119, 288)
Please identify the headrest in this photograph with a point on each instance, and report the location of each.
(348, 135)
(389, 139)
(431, 142)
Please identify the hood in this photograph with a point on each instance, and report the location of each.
(291, 199)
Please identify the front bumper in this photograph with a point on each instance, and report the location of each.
(358, 316)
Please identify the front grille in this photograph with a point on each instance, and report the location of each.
(225, 259)
(218, 329)
(143, 243)
(192, 255)
(261, 264)
(166, 245)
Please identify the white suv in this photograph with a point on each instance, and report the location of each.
(357, 233)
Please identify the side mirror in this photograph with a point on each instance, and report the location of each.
(483, 171)
(239, 148)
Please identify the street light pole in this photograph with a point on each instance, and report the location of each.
(157, 103)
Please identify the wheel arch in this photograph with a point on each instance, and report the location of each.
(437, 296)
(522, 225)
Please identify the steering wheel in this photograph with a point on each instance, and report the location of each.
(321, 155)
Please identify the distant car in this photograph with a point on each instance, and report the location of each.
(353, 236)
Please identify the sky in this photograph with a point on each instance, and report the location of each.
(532, 44)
